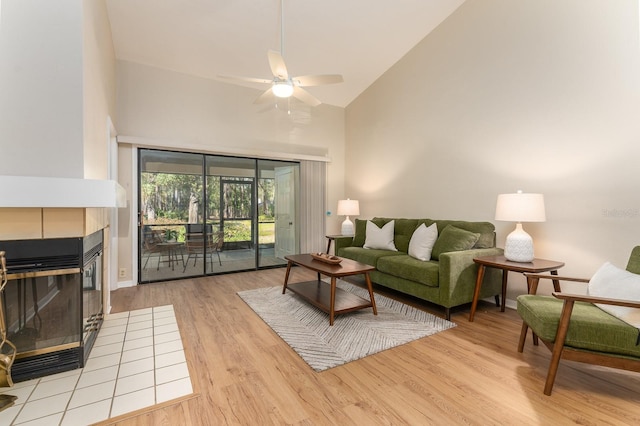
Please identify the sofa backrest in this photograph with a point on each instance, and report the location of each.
(403, 230)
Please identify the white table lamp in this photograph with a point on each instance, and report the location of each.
(520, 207)
(348, 208)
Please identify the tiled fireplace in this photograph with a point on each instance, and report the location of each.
(55, 233)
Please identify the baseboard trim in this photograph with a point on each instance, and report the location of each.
(124, 284)
(509, 303)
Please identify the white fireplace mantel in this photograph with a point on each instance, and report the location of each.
(40, 192)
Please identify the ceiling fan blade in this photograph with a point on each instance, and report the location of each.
(318, 80)
(276, 62)
(266, 96)
(244, 79)
(304, 96)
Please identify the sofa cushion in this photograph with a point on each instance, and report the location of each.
(411, 269)
(590, 327)
(380, 237)
(361, 230)
(368, 256)
(615, 283)
(422, 242)
(453, 239)
(403, 230)
(486, 230)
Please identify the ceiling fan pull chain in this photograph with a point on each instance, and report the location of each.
(282, 27)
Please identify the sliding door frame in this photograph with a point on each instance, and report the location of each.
(205, 173)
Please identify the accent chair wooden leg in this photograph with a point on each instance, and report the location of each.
(523, 336)
(556, 283)
(558, 346)
(447, 314)
(497, 297)
(532, 288)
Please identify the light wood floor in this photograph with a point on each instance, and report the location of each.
(244, 374)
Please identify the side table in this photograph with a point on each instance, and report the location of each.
(330, 238)
(171, 249)
(500, 262)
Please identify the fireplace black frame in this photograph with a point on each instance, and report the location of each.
(77, 262)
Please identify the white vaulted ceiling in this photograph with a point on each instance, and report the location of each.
(359, 39)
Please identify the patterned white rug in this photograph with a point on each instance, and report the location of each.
(354, 335)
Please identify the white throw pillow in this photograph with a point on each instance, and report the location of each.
(380, 238)
(422, 241)
(616, 283)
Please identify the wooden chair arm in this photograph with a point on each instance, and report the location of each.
(594, 299)
(533, 279)
(557, 277)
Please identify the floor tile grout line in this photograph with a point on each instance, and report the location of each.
(115, 385)
(153, 348)
(64, 413)
(25, 401)
(66, 407)
(158, 314)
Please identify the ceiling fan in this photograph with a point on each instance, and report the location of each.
(282, 84)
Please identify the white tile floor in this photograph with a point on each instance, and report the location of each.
(137, 361)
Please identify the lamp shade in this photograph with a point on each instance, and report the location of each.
(348, 207)
(520, 207)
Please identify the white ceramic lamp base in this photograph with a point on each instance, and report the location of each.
(347, 228)
(519, 246)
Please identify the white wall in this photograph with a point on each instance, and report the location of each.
(183, 112)
(99, 88)
(41, 85)
(538, 95)
(57, 79)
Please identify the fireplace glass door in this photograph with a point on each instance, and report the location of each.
(42, 310)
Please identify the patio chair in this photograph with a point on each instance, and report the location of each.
(217, 245)
(202, 245)
(150, 246)
(574, 328)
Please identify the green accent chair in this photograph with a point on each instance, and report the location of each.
(573, 328)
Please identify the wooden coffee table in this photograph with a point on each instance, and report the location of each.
(329, 298)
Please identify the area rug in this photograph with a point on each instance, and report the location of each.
(354, 335)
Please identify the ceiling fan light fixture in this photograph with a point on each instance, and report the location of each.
(282, 89)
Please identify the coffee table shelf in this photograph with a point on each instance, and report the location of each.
(318, 293)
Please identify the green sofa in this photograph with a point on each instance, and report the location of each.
(448, 279)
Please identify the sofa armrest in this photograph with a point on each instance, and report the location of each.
(458, 273)
(342, 242)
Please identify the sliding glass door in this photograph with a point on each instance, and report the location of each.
(205, 214)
